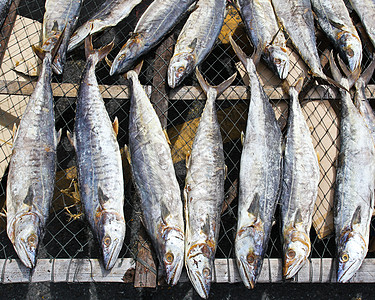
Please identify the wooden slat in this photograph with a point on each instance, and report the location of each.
(91, 270)
(186, 93)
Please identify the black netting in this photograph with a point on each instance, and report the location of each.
(68, 234)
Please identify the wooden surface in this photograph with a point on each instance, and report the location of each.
(91, 270)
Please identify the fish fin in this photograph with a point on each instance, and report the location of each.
(193, 44)
(335, 83)
(71, 138)
(242, 138)
(109, 63)
(356, 219)
(58, 136)
(225, 171)
(352, 76)
(334, 69)
(99, 53)
(338, 25)
(254, 208)
(298, 217)
(29, 197)
(367, 74)
(299, 84)
(42, 53)
(240, 54)
(115, 126)
(127, 153)
(206, 226)
(165, 213)
(187, 160)
(166, 136)
(219, 89)
(318, 156)
(102, 198)
(38, 51)
(257, 54)
(285, 86)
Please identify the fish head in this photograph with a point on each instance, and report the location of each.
(250, 247)
(180, 66)
(27, 232)
(128, 54)
(352, 249)
(111, 233)
(297, 248)
(172, 253)
(350, 48)
(278, 58)
(199, 265)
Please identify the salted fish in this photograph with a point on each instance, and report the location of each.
(196, 39)
(159, 18)
(31, 178)
(334, 19)
(204, 192)
(264, 32)
(60, 17)
(299, 188)
(365, 9)
(109, 14)
(155, 179)
(259, 180)
(99, 164)
(355, 183)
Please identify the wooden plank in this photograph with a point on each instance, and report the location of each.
(7, 28)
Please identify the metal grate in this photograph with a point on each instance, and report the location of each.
(68, 234)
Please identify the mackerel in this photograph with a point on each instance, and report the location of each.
(299, 188)
(334, 19)
(155, 179)
(60, 17)
(99, 164)
(159, 18)
(196, 39)
(355, 183)
(31, 178)
(260, 175)
(109, 14)
(365, 9)
(264, 32)
(204, 192)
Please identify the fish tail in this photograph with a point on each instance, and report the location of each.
(219, 89)
(96, 54)
(297, 86)
(137, 69)
(335, 73)
(42, 53)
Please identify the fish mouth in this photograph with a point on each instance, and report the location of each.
(291, 268)
(110, 260)
(344, 275)
(247, 274)
(173, 274)
(202, 289)
(25, 257)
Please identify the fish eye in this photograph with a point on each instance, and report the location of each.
(169, 257)
(206, 272)
(291, 254)
(277, 61)
(250, 258)
(181, 69)
(31, 240)
(107, 240)
(350, 52)
(344, 258)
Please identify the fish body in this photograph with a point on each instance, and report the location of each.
(355, 183)
(334, 19)
(297, 20)
(32, 168)
(60, 17)
(365, 9)
(204, 193)
(4, 9)
(155, 179)
(196, 39)
(259, 181)
(264, 32)
(99, 164)
(299, 189)
(110, 13)
(159, 18)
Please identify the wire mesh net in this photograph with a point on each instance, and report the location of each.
(67, 232)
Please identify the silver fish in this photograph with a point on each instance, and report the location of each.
(196, 39)
(299, 188)
(109, 14)
(204, 192)
(59, 18)
(264, 32)
(159, 18)
(334, 19)
(365, 9)
(99, 164)
(156, 182)
(297, 20)
(32, 168)
(355, 183)
(260, 175)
